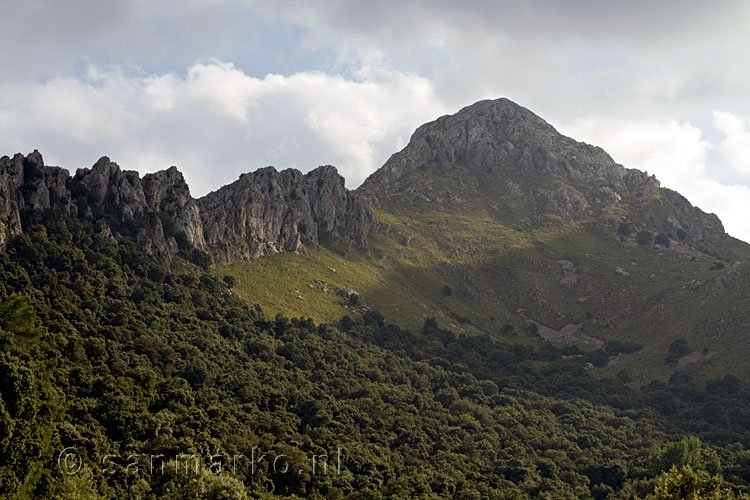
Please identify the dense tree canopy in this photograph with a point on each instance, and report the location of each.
(107, 351)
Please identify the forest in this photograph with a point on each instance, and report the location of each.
(122, 377)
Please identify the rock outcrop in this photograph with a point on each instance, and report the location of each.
(501, 136)
(25, 183)
(270, 211)
(264, 211)
(168, 194)
(496, 153)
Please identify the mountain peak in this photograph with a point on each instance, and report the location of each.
(496, 153)
(493, 135)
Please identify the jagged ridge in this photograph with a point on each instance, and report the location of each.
(264, 211)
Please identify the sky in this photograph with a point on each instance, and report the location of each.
(222, 87)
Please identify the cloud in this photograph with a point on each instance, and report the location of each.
(560, 59)
(216, 121)
(736, 143)
(346, 82)
(676, 152)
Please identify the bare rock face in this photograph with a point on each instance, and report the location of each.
(496, 153)
(264, 211)
(504, 140)
(167, 193)
(25, 183)
(267, 211)
(118, 191)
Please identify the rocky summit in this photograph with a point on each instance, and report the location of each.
(264, 211)
(499, 152)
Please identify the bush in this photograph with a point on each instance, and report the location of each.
(677, 349)
(663, 240)
(644, 237)
(373, 318)
(615, 347)
(200, 258)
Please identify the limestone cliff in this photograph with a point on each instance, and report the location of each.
(270, 211)
(500, 155)
(264, 211)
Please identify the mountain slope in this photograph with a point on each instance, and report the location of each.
(120, 339)
(489, 220)
(165, 386)
(495, 223)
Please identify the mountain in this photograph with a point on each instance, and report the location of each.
(495, 223)
(500, 153)
(498, 312)
(489, 219)
(264, 211)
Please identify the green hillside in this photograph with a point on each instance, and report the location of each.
(110, 359)
(529, 251)
(479, 276)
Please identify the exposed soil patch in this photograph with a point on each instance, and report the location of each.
(695, 357)
(569, 334)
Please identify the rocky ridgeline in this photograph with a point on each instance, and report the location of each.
(496, 151)
(493, 154)
(269, 211)
(501, 137)
(264, 211)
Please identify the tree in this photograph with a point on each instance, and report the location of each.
(663, 240)
(229, 281)
(27, 402)
(683, 453)
(373, 318)
(687, 484)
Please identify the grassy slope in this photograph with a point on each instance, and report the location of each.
(504, 275)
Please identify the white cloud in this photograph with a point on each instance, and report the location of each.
(676, 153)
(357, 80)
(736, 143)
(216, 121)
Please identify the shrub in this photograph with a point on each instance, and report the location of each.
(677, 349)
(662, 239)
(644, 237)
